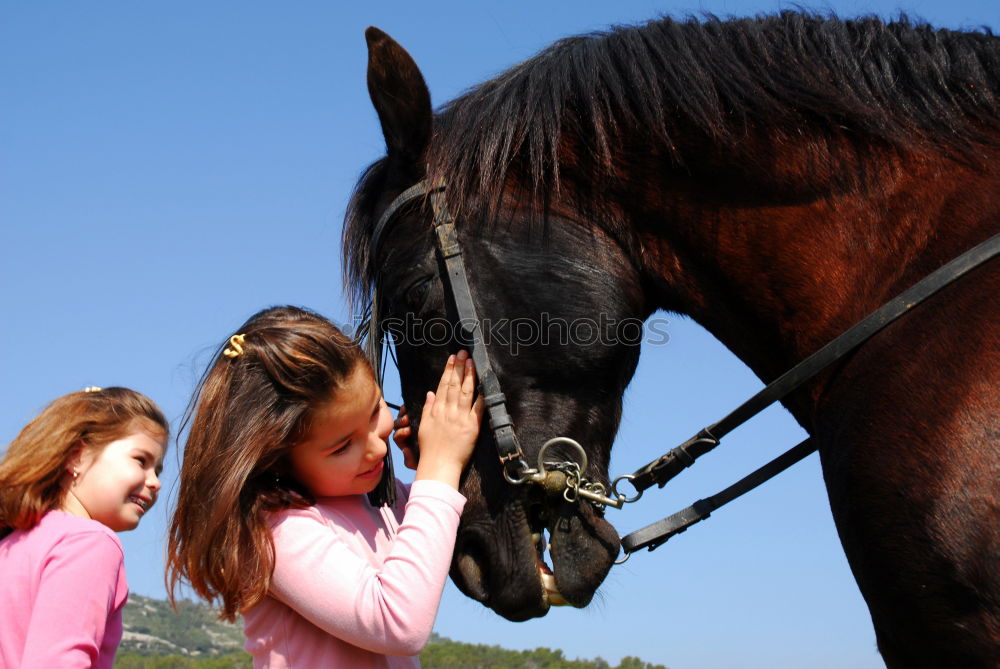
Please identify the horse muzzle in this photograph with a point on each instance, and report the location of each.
(502, 562)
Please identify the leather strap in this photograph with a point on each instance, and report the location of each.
(676, 460)
(501, 424)
(655, 534)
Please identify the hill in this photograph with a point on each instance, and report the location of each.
(193, 638)
(152, 628)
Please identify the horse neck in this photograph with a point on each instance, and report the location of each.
(777, 268)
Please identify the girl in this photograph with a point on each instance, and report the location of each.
(85, 468)
(288, 437)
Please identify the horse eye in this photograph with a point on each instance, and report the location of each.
(416, 294)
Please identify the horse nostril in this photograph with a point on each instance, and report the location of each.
(537, 515)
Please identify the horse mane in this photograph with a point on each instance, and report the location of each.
(899, 83)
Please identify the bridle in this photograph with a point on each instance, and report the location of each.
(508, 447)
(567, 477)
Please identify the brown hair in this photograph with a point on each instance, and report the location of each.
(247, 413)
(32, 473)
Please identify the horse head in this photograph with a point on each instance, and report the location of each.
(571, 349)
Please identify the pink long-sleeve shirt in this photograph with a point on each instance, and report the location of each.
(355, 586)
(62, 590)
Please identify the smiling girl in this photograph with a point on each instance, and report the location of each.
(274, 517)
(85, 468)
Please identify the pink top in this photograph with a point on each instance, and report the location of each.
(355, 586)
(62, 592)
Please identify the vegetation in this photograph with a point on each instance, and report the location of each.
(193, 638)
(236, 660)
(444, 653)
(152, 628)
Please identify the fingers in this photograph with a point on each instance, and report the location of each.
(450, 421)
(458, 371)
(449, 370)
(455, 382)
(468, 384)
(463, 383)
(409, 459)
(479, 408)
(402, 436)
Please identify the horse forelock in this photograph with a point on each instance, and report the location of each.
(900, 83)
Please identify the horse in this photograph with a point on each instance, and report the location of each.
(775, 179)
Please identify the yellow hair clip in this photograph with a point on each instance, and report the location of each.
(235, 348)
(92, 389)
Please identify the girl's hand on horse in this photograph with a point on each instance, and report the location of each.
(402, 433)
(449, 423)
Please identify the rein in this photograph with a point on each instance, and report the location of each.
(567, 477)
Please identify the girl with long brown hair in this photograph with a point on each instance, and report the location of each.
(274, 520)
(85, 468)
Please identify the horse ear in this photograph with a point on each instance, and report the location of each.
(400, 96)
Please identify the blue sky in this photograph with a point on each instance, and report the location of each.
(167, 169)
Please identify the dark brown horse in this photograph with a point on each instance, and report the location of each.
(774, 178)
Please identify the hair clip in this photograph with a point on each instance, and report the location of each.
(235, 348)
(91, 389)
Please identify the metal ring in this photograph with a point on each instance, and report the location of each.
(624, 559)
(567, 440)
(614, 489)
(526, 475)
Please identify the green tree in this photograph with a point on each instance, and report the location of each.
(630, 662)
